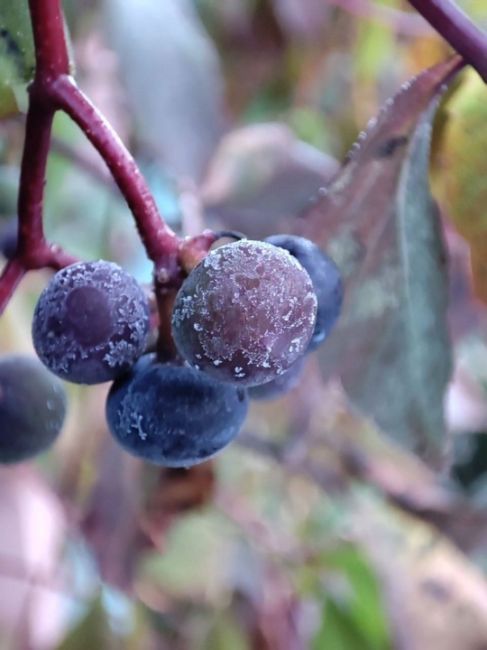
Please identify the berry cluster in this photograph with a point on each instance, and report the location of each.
(242, 322)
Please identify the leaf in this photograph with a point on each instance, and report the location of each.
(460, 170)
(353, 612)
(225, 633)
(302, 19)
(365, 609)
(172, 76)
(17, 59)
(91, 632)
(435, 597)
(110, 520)
(260, 176)
(380, 224)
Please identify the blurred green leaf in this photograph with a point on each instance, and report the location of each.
(17, 59)
(224, 634)
(91, 632)
(339, 632)
(365, 608)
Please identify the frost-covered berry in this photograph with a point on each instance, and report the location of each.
(281, 385)
(32, 408)
(326, 278)
(173, 415)
(245, 313)
(91, 322)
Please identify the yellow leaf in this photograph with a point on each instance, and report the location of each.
(460, 171)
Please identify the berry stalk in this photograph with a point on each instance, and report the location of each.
(51, 60)
(33, 252)
(53, 89)
(160, 241)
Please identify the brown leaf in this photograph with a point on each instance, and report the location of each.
(380, 224)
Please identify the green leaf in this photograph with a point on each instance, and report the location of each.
(91, 632)
(379, 222)
(225, 633)
(338, 632)
(17, 57)
(365, 609)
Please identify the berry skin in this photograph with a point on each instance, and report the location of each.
(281, 384)
(173, 415)
(325, 277)
(245, 313)
(91, 322)
(32, 408)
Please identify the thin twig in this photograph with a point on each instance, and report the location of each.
(160, 241)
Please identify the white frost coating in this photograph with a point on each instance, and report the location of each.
(89, 337)
(247, 312)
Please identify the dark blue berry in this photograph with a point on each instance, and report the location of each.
(32, 408)
(173, 415)
(325, 277)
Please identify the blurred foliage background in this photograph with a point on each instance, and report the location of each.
(316, 529)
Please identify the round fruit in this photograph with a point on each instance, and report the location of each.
(32, 408)
(281, 384)
(173, 415)
(245, 313)
(325, 277)
(91, 322)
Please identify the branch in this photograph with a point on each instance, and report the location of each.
(53, 89)
(161, 243)
(49, 39)
(33, 252)
(51, 59)
(32, 175)
(457, 29)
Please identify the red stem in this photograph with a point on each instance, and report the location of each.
(33, 252)
(32, 175)
(51, 60)
(51, 90)
(49, 39)
(161, 243)
(457, 29)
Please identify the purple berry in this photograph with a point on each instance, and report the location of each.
(245, 313)
(91, 322)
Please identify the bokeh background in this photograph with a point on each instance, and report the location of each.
(315, 529)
